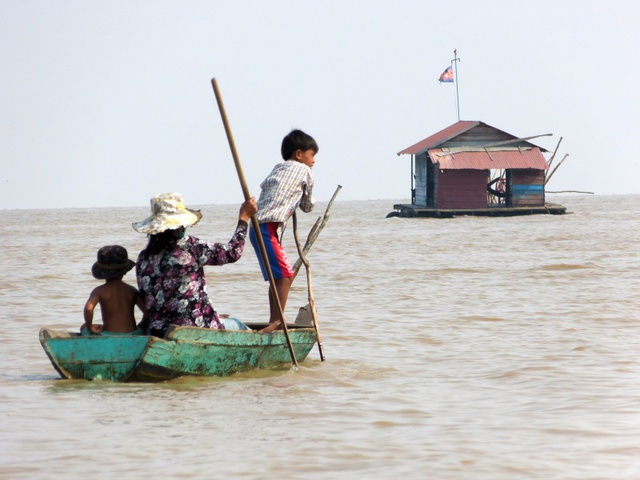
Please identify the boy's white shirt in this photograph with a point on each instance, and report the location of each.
(289, 185)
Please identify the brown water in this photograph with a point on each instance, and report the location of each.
(469, 348)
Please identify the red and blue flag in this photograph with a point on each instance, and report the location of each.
(447, 75)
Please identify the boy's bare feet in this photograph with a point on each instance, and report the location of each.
(271, 327)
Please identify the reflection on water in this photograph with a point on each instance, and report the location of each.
(494, 348)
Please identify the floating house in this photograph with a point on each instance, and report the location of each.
(471, 168)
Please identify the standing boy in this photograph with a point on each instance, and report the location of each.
(117, 299)
(288, 186)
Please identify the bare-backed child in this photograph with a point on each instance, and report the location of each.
(117, 299)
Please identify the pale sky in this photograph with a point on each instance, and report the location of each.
(107, 103)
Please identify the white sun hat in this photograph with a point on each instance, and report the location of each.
(167, 213)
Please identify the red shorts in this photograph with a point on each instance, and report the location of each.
(278, 261)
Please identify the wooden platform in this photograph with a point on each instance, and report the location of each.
(412, 211)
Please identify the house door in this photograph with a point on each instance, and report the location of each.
(421, 181)
(431, 184)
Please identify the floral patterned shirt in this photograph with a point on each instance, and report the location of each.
(174, 286)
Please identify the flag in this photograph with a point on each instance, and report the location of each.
(447, 75)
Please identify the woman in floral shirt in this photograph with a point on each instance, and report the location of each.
(170, 270)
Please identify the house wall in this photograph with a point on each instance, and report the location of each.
(527, 188)
(461, 189)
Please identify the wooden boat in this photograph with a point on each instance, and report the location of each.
(203, 352)
(183, 351)
(95, 357)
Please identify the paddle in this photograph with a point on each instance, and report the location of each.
(254, 220)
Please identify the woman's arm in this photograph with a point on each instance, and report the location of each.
(214, 253)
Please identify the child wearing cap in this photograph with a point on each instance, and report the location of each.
(117, 299)
(287, 187)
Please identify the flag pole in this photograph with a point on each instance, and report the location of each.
(455, 79)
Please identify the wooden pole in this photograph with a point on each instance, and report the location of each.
(554, 152)
(315, 230)
(312, 302)
(516, 140)
(254, 220)
(554, 170)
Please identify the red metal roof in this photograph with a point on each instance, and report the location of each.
(477, 159)
(440, 137)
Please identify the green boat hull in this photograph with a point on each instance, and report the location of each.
(94, 357)
(184, 351)
(197, 352)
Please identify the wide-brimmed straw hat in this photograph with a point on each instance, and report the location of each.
(113, 260)
(167, 213)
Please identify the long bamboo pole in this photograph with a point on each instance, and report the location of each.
(254, 219)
